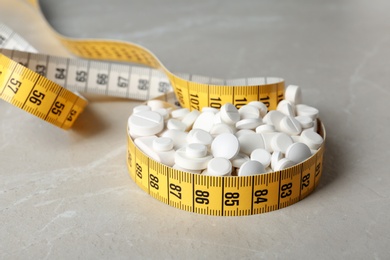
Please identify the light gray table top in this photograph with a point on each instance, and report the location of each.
(67, 194)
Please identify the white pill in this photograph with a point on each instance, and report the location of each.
(294, 94)
(220, 128)
(248, 111)
(298, 152)
(274, 117)
(179, 138)
(239, 160)
(229, 114)
(314, 128)
(186, 162)
(261, 155)
(265, 129)
(261, 106)
(179, 113)
(305, 121)
(145, 123)
(290, 125)
(267, 138)
(204, 121)
(155, 104)
(295, 138)
(305, 110)
(311, 139)
(283, 164)
(286, 107)
(199, 136)
(251, 168)
(176, 124)
(190, 118)
(210, 109)
(162, 144)
(275, 158)
(163, 112)
(243, 132)
(249, 123)
(140, 108)
(219, 167)
(250, 142)
(195, 150)
(217, 118)
(280, 142)
(225, 145)
(145, 144)
(177, 167)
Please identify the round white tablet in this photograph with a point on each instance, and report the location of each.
(290, 125)
(275, 158)
(286, 107)
(225, 145)
(219, 167)
(265, 129)
(250, 142)
(186, 162)
(204, 121)
(293, 93)
(305, 121)
(196, 150)
(273, 117)
(163, 112)
(177, 167)
(280, 142)
(229, 114)
(261, 106)
(243, 132)
(220, 128)
(311, 139)
(179, 138)
(305, 110)
(261, 155)
(251, 168)
(199, 136)
(179, 113)
(247, 111)
(155, 104)
(146, 123)
(210, 109)
(190, 118)
(239, 160)
(283, 164)
(162, 144)
(298, 152)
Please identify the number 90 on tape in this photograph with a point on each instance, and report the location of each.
(226, 195)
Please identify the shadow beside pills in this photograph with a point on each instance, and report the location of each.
(89, 123)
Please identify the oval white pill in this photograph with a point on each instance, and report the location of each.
(265, 129)
(280, 142)
(305, 110)
(261, 155)
(261, 106)
(305, 121)
(176, 124)
(140, 108)
(251, 168)
(247, 111)
(204, 121)
(250, 142)
(311, 139)
(162, 144)
(298, 152)
(290, 125)
(229, 114)
(219, 167)
(199, 136)
(249, 123)
(145, 123)
(275, 158)
(186, 162)
(283, 164)
(195, 150)
(225, 145)
(239, 160)
(293, 93)
(179, 113)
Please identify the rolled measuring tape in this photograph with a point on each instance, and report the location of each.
(42, 85)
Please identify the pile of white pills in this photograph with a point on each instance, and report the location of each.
(229, 141)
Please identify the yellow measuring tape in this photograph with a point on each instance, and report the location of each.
(36, 83)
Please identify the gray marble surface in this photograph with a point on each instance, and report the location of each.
(67, 194)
